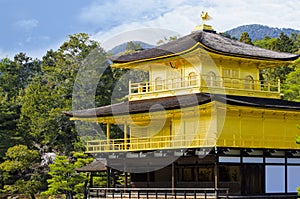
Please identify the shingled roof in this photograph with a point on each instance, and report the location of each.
(209, 41)
(176, 102)
(96, 166)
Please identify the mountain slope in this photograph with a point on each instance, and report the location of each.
(257, 31)
(121, 48)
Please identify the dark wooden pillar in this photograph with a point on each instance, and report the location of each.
(216, 171)
(91, 179)
(286, 173)
(108, 171)
(86, 186)
(125, 179)
(148, 178)
(173, 177)
(196, 170)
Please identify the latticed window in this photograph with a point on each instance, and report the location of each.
(249, 82)
(230, 78)
(193, 79)
(211, 79)
(158, 83)
(230, 73)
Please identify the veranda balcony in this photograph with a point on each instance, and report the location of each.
(186, 141)
(204, 83)
(149, 143)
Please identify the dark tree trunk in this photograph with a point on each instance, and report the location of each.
(69, 195)
(32, 196)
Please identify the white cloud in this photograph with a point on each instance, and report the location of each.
(27, 24)
(276, 13)
(182, 16)
(172, 23)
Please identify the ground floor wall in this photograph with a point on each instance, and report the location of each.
(262, 173)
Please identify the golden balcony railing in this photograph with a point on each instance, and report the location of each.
(149, 143)
(206, 83)
(183, 141)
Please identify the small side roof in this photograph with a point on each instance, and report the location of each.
(95, 166)
(212, 42)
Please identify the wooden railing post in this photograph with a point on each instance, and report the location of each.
(129, 87)
(108, 133)
(87, 147)
(125, 136)
(279, 86)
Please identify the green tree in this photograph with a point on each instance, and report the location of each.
(64, 178)
(51, 93)
(16, 75)
(20, 172)
(296, 43)
(245, 38)
(291, 88)
(283, 44)
(133, 46)
(167, 39)
(9, 115)
(266, 43)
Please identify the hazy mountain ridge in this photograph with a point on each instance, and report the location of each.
(122, 47)
(257, 31)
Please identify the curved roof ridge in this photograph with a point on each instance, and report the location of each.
(212, 42)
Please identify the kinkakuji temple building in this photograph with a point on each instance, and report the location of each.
(203, 119)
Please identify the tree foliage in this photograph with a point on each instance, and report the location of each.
(282, 44)
(20, 171)
(245, 38)
(64, 178)
(9, 115)
(291, 88)
(167, 39)
(266, 43)
(51, 93)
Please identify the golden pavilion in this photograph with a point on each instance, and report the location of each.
(202, 119)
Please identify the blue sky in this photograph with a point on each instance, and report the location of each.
(35, 26)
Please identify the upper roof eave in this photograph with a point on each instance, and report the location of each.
(177, 102)
(212, 42)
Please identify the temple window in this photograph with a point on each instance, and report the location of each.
(230, 78)
(211, 79)
(230, 73)
(249, 82)
(158, 83)
(192, 79)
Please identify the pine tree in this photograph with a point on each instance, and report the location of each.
(245, 38)
(64, 178)
(284, 44)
